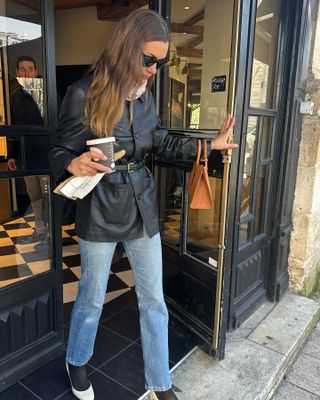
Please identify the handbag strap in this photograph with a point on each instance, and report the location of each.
(202, 143)
(199, 151)
(205, 156)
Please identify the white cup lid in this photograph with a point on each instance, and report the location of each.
(101, 140)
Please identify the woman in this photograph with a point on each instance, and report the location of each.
(114, 100)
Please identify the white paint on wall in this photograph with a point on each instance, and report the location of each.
(80, 36)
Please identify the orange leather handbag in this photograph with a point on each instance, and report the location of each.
(200, 196)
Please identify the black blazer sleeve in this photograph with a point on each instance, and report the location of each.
(170, 147)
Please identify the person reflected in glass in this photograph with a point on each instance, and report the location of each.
(25, 111)
(115, 100)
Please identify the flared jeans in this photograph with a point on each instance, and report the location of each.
(145, 257)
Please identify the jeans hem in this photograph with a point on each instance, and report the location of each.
(75, 364)
(158, 389)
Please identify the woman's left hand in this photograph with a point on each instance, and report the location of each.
(221, 142)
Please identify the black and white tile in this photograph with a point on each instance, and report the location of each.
(19, 261)
(116, 367)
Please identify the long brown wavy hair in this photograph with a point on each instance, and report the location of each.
(118, 70)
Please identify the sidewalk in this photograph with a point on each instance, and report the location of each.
(302, 382)
(258, 355)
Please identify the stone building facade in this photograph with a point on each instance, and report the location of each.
(304, 258)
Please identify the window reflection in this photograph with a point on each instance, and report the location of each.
(24, 227)
(195, 57)
(266, 133)
(257, 159)
(170, 182)
(265, 50)
(260, 200)
(27, 152)
(244, 234)
(204, 227)
(21, 89)
(248, 165)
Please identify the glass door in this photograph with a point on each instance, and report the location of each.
(194, 94)
(263, 129)
(30, 284)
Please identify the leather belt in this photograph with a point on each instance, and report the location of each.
(130, 167)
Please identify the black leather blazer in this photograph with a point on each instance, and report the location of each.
(122, 202)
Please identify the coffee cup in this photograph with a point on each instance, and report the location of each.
(105, 146)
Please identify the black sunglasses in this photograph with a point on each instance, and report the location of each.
(148, 61)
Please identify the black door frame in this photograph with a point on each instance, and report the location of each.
(287, 154)
(254, 256)
(297, 72)
(38, 297)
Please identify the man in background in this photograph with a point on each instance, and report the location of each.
(25, 111)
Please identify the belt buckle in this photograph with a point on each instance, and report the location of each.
(130, 167)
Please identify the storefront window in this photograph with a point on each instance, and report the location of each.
(24, 227)
(22, 97)
(198, 68)
(263, 90)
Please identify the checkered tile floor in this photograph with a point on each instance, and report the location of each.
(116, 367)
(120, 280)
(20, 261)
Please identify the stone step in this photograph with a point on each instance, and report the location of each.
(257, 355)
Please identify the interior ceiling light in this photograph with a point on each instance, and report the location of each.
(187, 8)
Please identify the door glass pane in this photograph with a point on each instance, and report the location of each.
(258, 150)
(248, 165)
(197, 74)
(263, 90)
(170, 183)
(25, 152)
(204, 227)
(260, 200)
(24, 227)
(22, 98)
(244, 233)
(266, 138)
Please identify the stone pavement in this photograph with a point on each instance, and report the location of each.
(302, 381)
(258, 355)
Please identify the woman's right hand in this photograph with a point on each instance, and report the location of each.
(85, 166)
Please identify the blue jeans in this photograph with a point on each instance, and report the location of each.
(145, 257)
